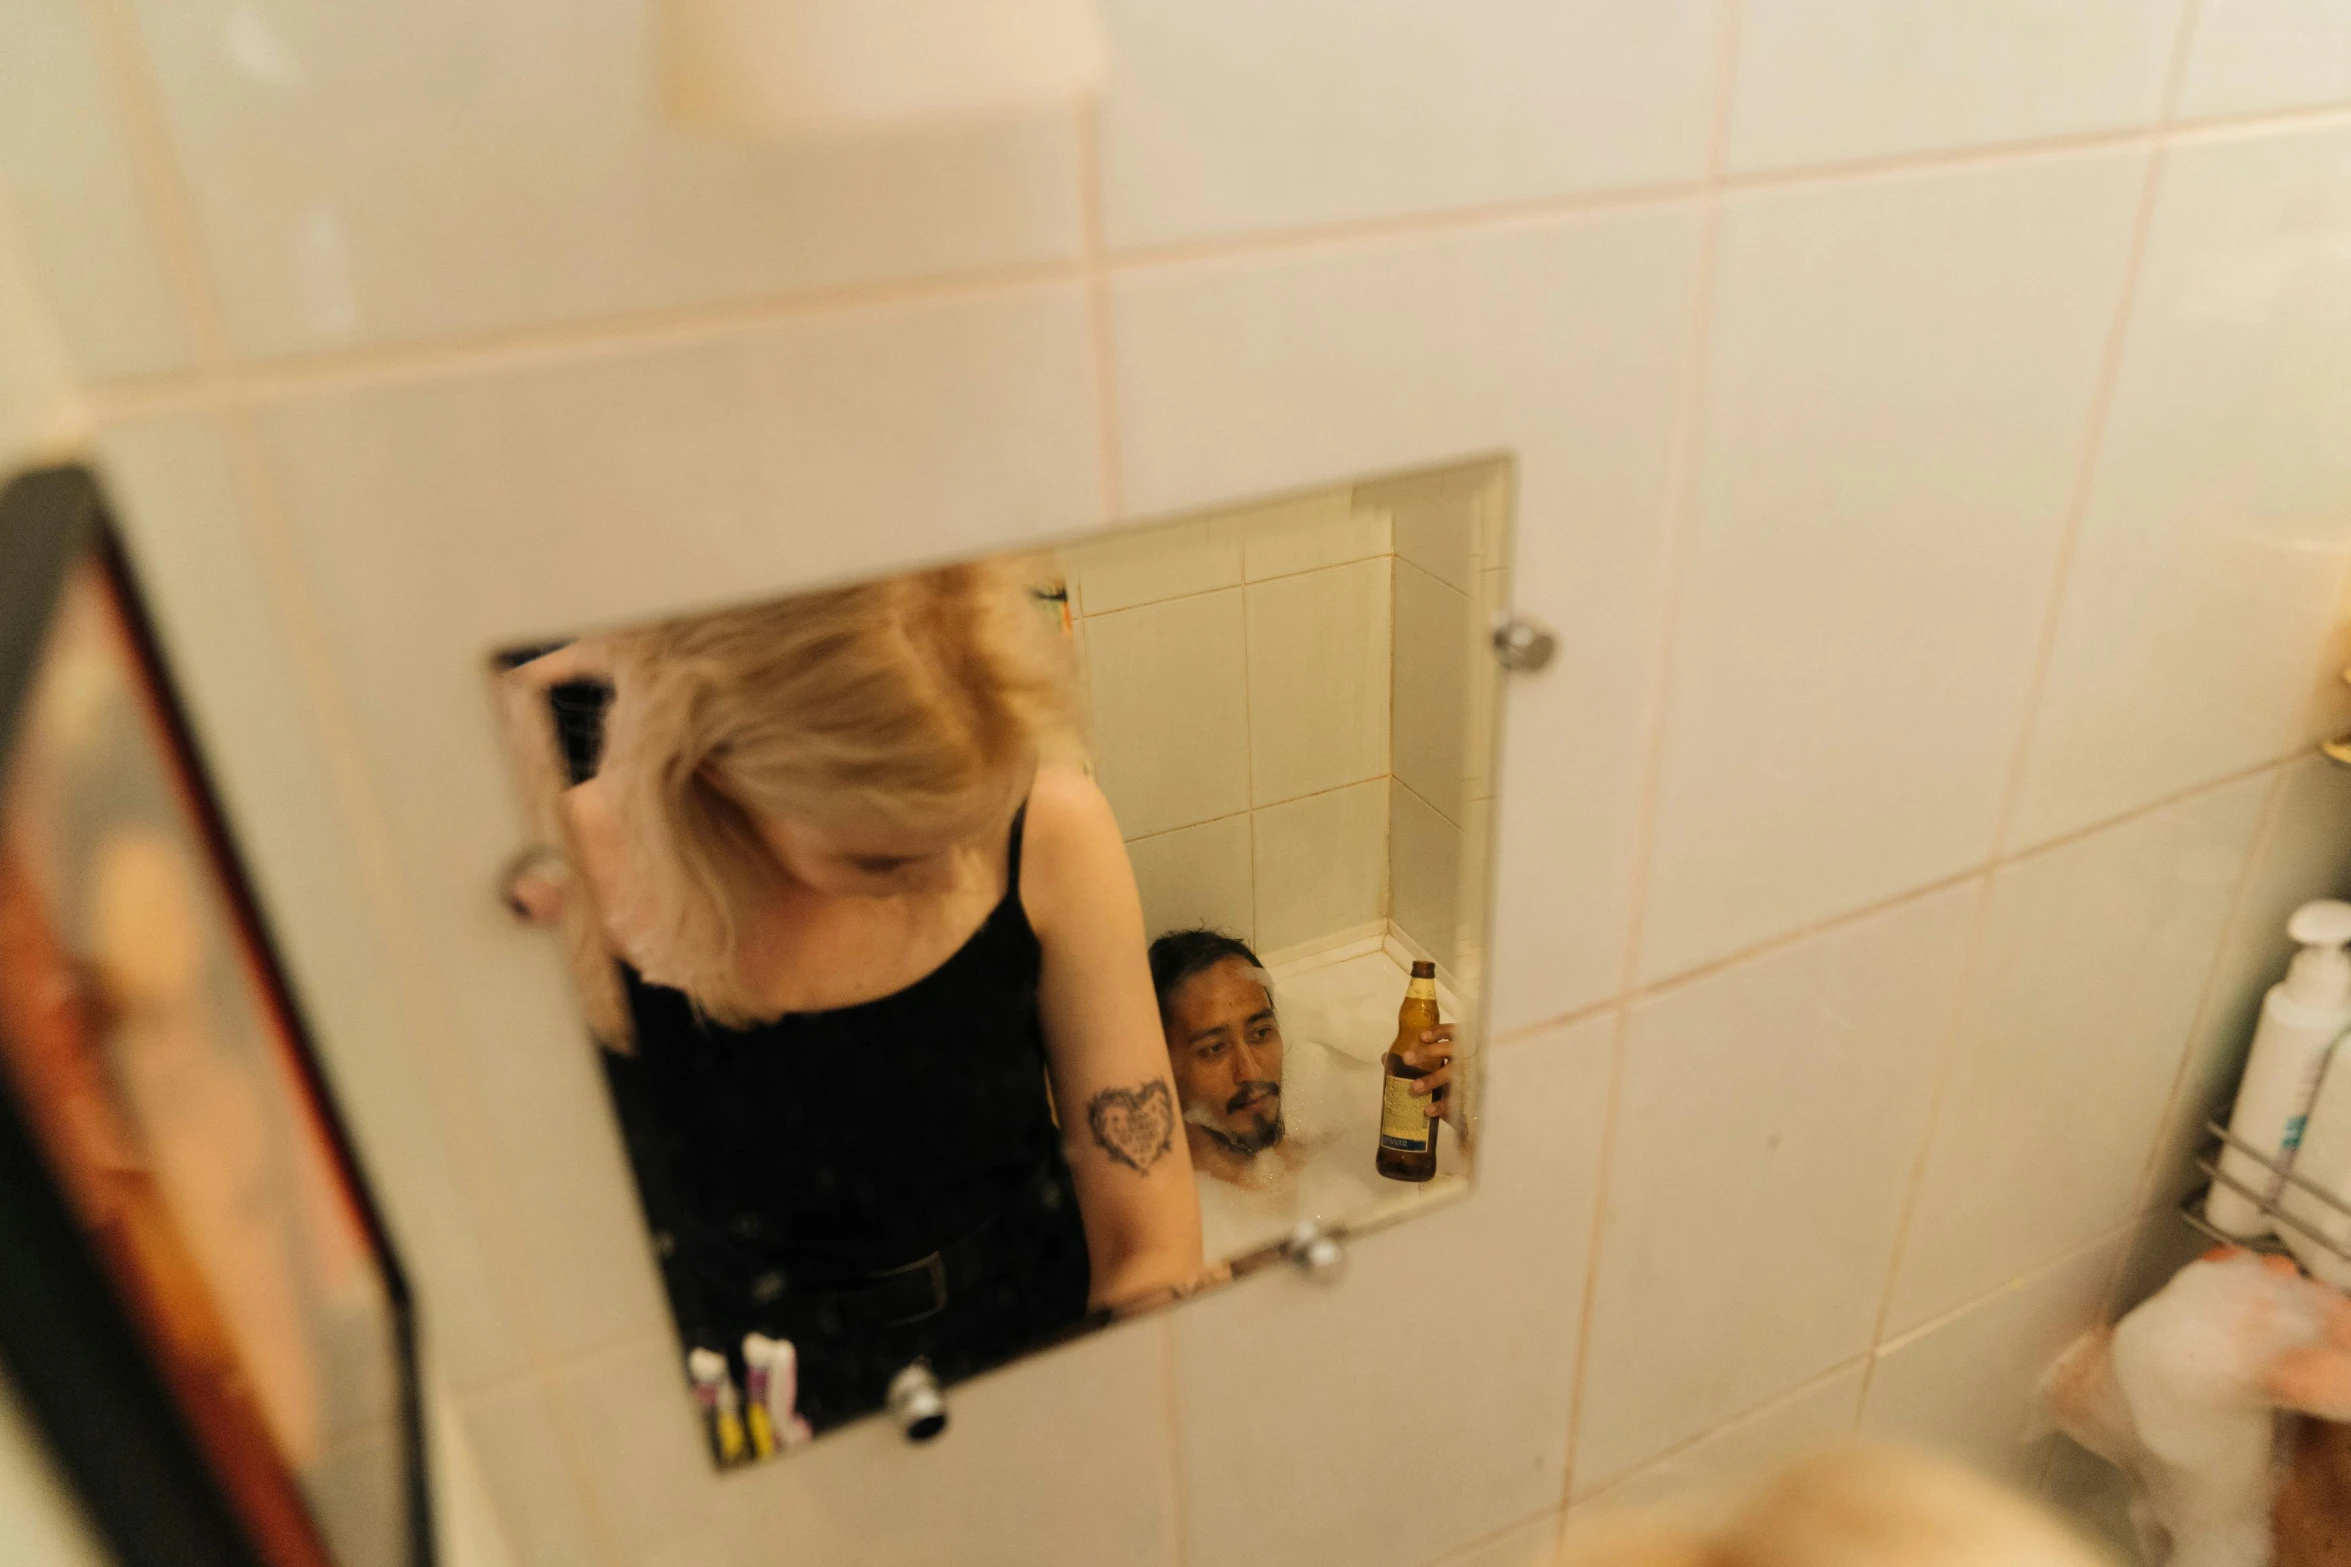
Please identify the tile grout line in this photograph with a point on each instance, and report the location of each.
(1479, 1542)
(523, 348)
(1947, 1054)
(1249, 763)
(1227, 587)
(1433, 808)
(2097, 421)
(172, 216)
(1172, 1401)
(456, 355)
(1087, 129)
(1678, 503)
(1678, 506)
(1829, 925)
(386, 892)
(1619, 1052)
(2021, 1279)
(2264, 835)
(1752, 1412)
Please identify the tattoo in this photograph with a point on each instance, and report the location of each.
(1135, 1126)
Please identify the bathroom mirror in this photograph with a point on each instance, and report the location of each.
(980, 955)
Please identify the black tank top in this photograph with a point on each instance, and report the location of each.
(836, 1145)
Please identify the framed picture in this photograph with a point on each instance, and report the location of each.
(199, 1307)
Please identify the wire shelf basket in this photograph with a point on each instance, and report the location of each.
(2270, 1203)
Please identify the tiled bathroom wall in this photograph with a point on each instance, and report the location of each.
(36, 385)
(1927, 434)
(1237, 669)
(1291, 709)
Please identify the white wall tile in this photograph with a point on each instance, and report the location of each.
(376, 173)
(1437, 690)
(2162, 1244)
(1900, 385)
(2211, 564)
(66, 173)
(1322, 864)
(1966, 1387)
(1171, 711)
(2306, 854)
(1196, 876)
(1534, 1543)
(1826, 81)
(1084, 1425)
(1128, 569)
(2094, 957)
(1325, 529)
(173, 485)
(1318, 680)
(1746, 1449)
(714, 472)
(35, 380)
(2249, 56)
(436, 521)
(1425, 861)
(1441, 518)
(1227, 117)
(544, 1510)
(1554, 343)
(1767, 1126)
(1285, 1386)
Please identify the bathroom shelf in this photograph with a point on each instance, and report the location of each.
(2191, 1210)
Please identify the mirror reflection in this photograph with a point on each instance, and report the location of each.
(982, 954)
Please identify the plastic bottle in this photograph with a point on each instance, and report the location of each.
(2321, 1237)
(2301, 1018)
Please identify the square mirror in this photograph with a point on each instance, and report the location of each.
(983, 954)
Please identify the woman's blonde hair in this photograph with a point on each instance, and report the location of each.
(915, 698)
(1855, 1508)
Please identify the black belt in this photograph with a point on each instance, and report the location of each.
(893, 1297)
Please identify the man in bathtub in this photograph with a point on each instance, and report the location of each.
(1279, 1130)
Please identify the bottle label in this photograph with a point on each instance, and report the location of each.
(1404, 1122)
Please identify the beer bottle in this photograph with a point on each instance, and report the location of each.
(1408, 1133)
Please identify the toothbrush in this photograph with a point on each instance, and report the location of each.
(758, 1348)
(721, 1405)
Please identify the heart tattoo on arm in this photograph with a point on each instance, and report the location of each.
(1135, 1126)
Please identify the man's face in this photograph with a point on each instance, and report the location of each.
(1226, 1049)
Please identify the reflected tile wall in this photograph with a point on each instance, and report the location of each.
(1963, 481)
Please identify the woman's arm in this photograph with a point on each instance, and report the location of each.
(1119, 1116)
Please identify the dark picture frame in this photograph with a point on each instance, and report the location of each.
(93, 1335)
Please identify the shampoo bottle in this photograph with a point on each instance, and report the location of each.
(2301, 1018)
(2318, 1232)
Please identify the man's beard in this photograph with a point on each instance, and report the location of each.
(1267, 1133)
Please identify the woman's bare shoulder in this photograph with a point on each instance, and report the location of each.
(1072, 851)
(595, 828)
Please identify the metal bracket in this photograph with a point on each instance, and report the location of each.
(1316, 1253)
(917, 1403)
(1521, 646)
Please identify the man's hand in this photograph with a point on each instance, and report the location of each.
(1434, 1053)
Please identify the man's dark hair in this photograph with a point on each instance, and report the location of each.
(1180, 954)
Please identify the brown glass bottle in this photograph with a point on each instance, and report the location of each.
(1408, 1133)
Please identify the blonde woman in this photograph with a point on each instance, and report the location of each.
(897, 1087)
(1865, 1507)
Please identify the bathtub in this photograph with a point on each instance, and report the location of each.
(1338, 1016)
